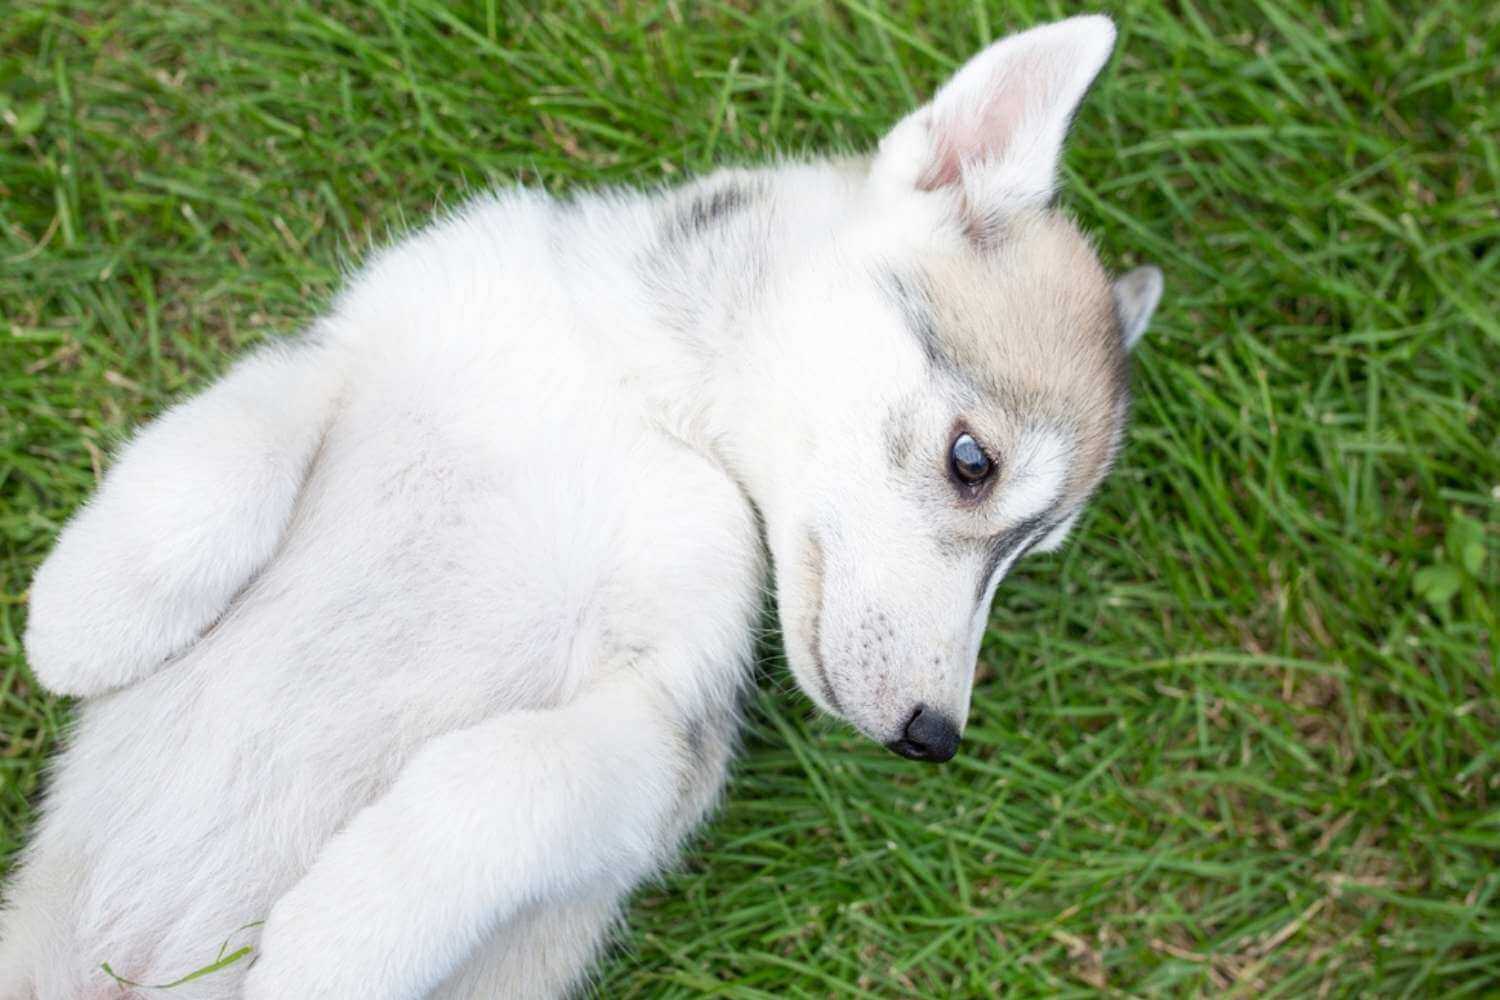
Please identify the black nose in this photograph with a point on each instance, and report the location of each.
(930, 736)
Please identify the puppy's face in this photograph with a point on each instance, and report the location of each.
(963, 392)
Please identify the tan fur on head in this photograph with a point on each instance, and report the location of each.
(1030, 322)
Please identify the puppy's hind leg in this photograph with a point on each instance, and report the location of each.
(191, 510)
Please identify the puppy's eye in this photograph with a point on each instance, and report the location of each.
(968, 461)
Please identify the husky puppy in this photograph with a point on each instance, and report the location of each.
(420, 638)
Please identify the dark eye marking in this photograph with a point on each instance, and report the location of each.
(1023, 536)
(909, 296)
(815, 619)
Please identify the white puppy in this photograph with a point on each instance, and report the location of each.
(421, 638)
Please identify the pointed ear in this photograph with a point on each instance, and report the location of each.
(995, 131)
(1136, 295)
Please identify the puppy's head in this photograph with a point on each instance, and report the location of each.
(962, 388)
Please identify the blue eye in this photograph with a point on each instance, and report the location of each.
(968, 461)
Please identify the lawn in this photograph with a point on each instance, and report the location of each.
(1243, 733)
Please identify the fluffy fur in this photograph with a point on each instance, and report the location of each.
(421, 637)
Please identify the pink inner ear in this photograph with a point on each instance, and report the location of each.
(975, 131)
(943, 169)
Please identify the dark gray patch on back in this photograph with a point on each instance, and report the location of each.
(707, 264)
(704, 212)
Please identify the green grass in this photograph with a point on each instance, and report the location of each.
(1244, 733)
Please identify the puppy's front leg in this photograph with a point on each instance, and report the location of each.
(523, 807)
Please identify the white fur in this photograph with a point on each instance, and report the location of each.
(421, 640)
(1041, 462)
(1053, 540)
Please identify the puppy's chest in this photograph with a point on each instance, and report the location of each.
(529, 551)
